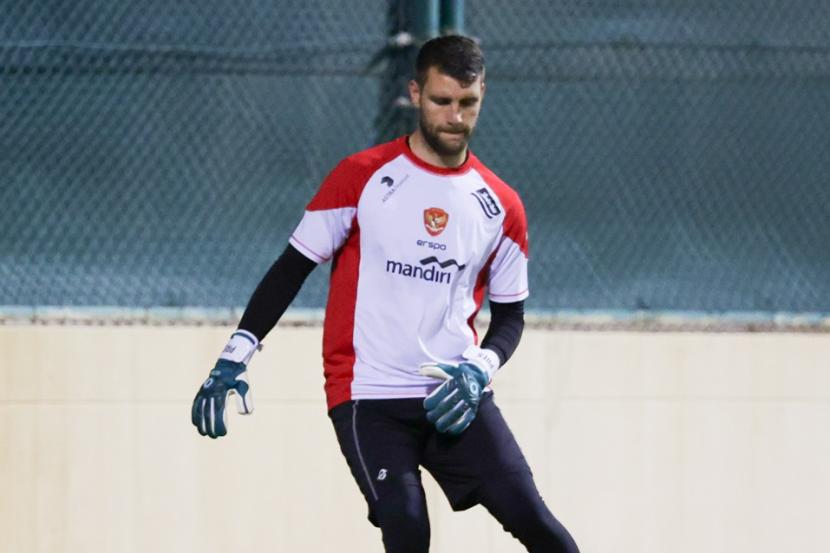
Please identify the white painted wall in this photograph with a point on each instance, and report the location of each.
(641, 443)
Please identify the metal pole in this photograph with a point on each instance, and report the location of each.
(452, 17)
(424, 17)
(410, 24)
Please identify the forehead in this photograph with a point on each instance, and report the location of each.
(439, 84)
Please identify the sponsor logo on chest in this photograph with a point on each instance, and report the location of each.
(430, 269)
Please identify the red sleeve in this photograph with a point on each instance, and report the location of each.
(508, 281)
(342, 187)
(515, 221)
(331, 215)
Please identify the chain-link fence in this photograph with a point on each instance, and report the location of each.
(672, 155)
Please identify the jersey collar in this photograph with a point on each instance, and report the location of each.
(463, 168)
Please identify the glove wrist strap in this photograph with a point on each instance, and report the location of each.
(241, 347)
(485, 359)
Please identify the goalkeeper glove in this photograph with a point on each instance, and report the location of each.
(453, 405)
(229, 376)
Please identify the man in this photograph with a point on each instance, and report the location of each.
(416, 229)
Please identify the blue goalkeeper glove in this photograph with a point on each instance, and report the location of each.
(228, 377)
(453, 405)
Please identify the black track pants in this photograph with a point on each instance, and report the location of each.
(386, 441)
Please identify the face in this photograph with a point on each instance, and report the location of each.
(448, 111)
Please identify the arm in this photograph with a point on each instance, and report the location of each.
(453, 405)
(506, 324)
(326, 224)
(269, 301)
(275, 292)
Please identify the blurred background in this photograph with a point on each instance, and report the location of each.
(672, 154)
(673, 159)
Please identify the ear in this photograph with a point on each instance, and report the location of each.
(415, 93)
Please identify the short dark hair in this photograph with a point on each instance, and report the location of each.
(459, 57)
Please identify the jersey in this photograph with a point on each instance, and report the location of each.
(413, 249)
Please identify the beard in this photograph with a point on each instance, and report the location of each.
(432, 137)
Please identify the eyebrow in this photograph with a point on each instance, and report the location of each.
(464, 100)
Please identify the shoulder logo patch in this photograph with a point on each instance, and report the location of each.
(392, 186)
(435, 220)
(488, 204)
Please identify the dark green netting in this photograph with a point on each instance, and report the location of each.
(672, 155)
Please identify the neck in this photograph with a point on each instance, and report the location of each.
(423, 150)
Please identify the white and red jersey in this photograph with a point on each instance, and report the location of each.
(414, 247)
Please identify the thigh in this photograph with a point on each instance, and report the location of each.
(382, 441)
(487, 449)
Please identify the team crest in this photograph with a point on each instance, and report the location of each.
(435, 220)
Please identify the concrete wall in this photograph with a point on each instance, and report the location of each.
(646, 443)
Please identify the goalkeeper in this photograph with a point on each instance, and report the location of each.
(417, 230)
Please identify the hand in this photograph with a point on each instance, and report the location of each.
(229, 376)
(453, 405)
(208, 413)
